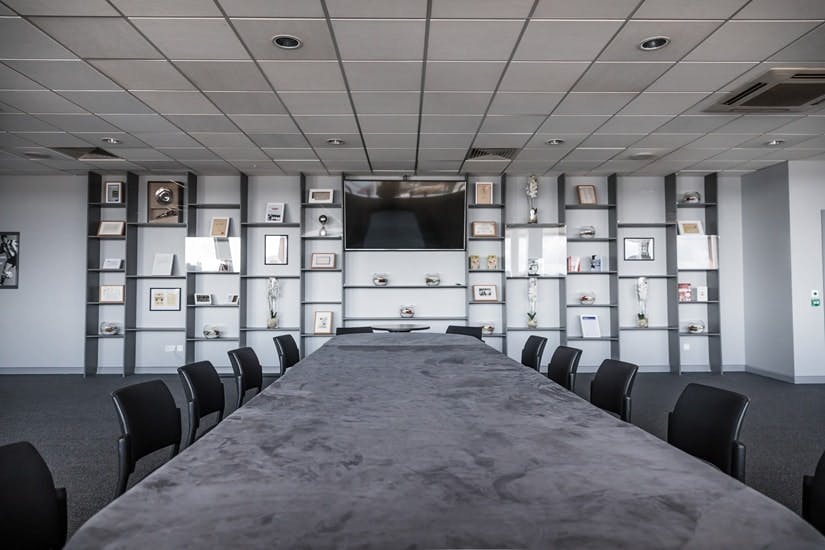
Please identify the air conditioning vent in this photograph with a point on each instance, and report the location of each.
(777, 91)
(86, 153)
(486, 153)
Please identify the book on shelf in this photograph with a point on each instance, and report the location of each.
(590, 326)
(574, 264)
(685, 292)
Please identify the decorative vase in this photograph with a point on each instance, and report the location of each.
(696, 327)
(533, 216)
(108, 328)
(407, 312)
(488, 327)
(532, 322)
(587, 298)
(691, 197)
(380, 279)
(641, 321)
(272, 322)
(211, 332)
(273, 292)
(533, 266)
(432, 279)
(587, 232)
(532, 191)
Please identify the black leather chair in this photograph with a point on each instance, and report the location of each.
(475, 332)
(32, 510)
(563, 366)
(204, 395)
(149, 421)
(813, 497)
(705, 423)
(287, 350)
(353, 330)
(249, 374)
(610, 388)
(532, 350)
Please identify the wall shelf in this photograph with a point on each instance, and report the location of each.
(214, 206)
(589, 206)
(695, 204)
(647, 276)
(650, 328)
(107, 204)
(592, 305)
(591, 273)
(155, 225)
(212, 305)
(527, 277)
(536, 329)
(270, 276)
(309, 270)
(272, 225)
(593, 240)
(156, 276)
(265, 329)
(407, 287)
(599, 339)
(491, 239)
(156, 329)
(406, 319)
(320, 205)
(629, 225)
(485, 206)
(220, 339)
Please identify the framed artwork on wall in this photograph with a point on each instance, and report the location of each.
(690, 227)
(483, 229)
(203, 299)
(484, 192)
(275, 249)
(113, 192)
(321, 196)
(111, 294)
(639, 249)
(112, 263)
(219, 227)
(111, 229)
(233, 299)
(586, 194)
(275, 212)
(164, 202)
(485, 293)
(164, 299)
(322, 260)
(9, 259)
(322, 322)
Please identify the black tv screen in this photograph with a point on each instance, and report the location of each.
(404, 215)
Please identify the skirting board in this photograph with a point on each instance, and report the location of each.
(41, 370)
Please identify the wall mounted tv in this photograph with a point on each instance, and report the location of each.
(404, 215)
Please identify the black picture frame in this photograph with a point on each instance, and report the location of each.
(9, 260)
(174, 290)
(641, 249)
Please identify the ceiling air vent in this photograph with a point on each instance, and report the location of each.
(778, 90)
(485, 153)
(86, 153)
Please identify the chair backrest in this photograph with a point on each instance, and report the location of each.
(532, 350)
(203, 387)
(148, 417)
(475, 332)
(287, 351)
(813, 497)
(705, 423)
(610, 388)
(563, 366)
(247, 368)
(353, 330)
(31, 512)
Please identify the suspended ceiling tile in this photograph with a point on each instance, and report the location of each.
(467, 103)
(39, 101)
(481, 9)
(524, 103)
(450, 123)
(10, 122)
(79, 123)
(290, 153)
(564, 40)
(391, 140)
(807, 48)
(720, 140)
(385, 103)
(446, 140)
(260, 124)
(656, 103)
(593, 103)
(633, 124)
(573, 124)
(399, 155)
(203, 123)
(167, 139)
(472, 40)
(388, 123)
(53, 139)
(462, 76)
(307, 76)
(584, 9)
(698, 77)
(224, 75)
(541, 77)
(805, 125)
(501, 140)
(108, 102)
(317, 103)
(178, 103)
(442, 153)
(584, 154)
(695, 9)
(161, 8)
(346, 153)
(143, 74)
(64, 74)
(62, 7)
(247, 103)
(684, 35)
(611, 140)
(272, 8)
(373, 9)
(749, 40)
(787, 9)
(180, 38)
(141, 123)
(511, 124)
(695, 124)
(350, 166)
(329, 124)
(189, 153)
(240, 153)
(257, 35)
(10, 79)
(383, 75)
(278, 140)
(398, 39)
(755, 123)
(620, 76)
(126, 140)
(302, 166)
(223, 139)
(98, 37)
(138, 154)
(666, 140)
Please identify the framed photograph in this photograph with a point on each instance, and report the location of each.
(111, 229)
(322, 260)
(111, 294)
(590, 326)
(321, 196)
(113, 191)
(691, 227)
(586, 193)
(162, 265)
(275, 249)
(483, 229)
(164, 299)
(639, 249)
(219, 227)
(492, 261)
(233, 299)
(164, 202)
(485, 293)
(322, 323)
(275, 212)
(9, 259)
(203, 299)
(484, 192)
(111, 263)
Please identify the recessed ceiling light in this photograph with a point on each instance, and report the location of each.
(287, 42)
(654, 43)
(775, 142)
(335, 141)
(110, 140)
(554, 141)
(36, 156)
(643, 155)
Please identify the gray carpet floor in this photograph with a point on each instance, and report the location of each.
(72, 422)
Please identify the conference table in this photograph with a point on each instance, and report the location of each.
(427, 440)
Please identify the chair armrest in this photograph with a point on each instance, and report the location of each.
(669, 421)
(807, 484)
(62, 514)
(737, 461)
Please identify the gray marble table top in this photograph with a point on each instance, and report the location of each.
(434, 441)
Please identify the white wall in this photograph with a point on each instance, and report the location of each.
(42, 322)
(731, 274)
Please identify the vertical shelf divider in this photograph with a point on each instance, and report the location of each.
(191, 231)
(502, 263)
(130, 295)
(244, 218)
(613, 262)
(303, 307)
(561, 198)
(674, 354)
(93, 216)
(714, 317)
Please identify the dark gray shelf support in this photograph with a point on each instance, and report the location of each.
(672, 284)
(613, 261)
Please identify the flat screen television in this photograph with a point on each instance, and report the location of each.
(404, 215)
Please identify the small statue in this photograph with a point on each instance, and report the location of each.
(532, 191)
(641, 295)
(273, 292)
(323, 219)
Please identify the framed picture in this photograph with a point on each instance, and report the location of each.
(111, 229)
(492, 261)
(111, 294)
(322, 196)
(219, 227)
(233, 299)
(484, 192)
(691, 227)
(112, 263)
(275, 249)
(202, 299)
(475, 262)
(164, 202)
(164, 299)
(322, 323)
(483, 229)
(162, 265)
(275, 212)
(9, 259)
(586, 193)
(485, 293)
(322, 260)
(114, 192)
(638, 249)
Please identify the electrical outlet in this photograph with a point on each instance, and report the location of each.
(169, 348)
(180, 347)
(686, 347)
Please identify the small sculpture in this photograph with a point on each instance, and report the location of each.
(273, 292)
(432, 279)
(211, 332)
(587, 232)
(532, 299)
(587, 298)
(696, 327)
(641, 295)
(380, 279)
(407, 312)
(323, 219)
(532, 191)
